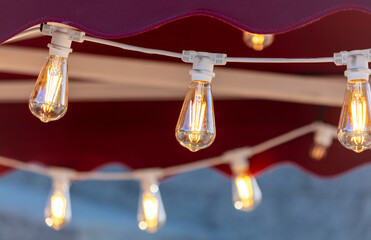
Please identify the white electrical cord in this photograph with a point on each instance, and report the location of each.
(132, 48)
(281, 60)
(138, 174)
(25, 33)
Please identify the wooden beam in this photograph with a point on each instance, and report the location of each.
(124, 78)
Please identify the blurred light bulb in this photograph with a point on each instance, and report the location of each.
(246, 193)
(48, 101)
(151, 212)
(323, 138)
(195, 129)
(354, 130)
(58, 208)
(257, 41)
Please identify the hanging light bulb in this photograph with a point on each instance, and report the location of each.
(151, 212)
(49, 98)
(195, 129)
(354, 131)
(246, 193)
(58, 208)
(323, 138)
(257, 41)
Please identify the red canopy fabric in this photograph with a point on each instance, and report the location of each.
(113, 19)
(141, 134)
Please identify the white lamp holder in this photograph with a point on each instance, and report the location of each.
(324, 134)
(357, 63)
(203, 64)
(62, 38)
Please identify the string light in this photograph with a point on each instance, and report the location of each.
(58, 208)
(354, 130)
(246, 193)
(323, 138)
(195, 129)
(151, 212)
(49, 98)
(257, 41)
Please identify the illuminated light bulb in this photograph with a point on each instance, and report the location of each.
(246, 193)
(354, 130)
(151, 212)
(195, 129)
(323, 138)
(49, 98)
(58, 208)
(257, 41)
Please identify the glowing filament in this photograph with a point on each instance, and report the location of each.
(358, 109)
(57, 211)
(197, 112)
(150, 209)
(245, 192)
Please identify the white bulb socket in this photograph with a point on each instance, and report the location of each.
(202, 69)
(240, 165)
(60, 44)
(324, 135)
(357, 67)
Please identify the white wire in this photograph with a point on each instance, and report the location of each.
(133, 48)
(24, 34)
(280, 60)
(164, 172)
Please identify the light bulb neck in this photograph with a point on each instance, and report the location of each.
(324, 135)
(357, 67)
(60, 44)
(240, 165)
(202, 69)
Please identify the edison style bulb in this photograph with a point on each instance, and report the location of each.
(151, 212)
(354, 131)
(58, 208)
(195, 129)
(48, 100)
(246, 192)
(257, 41)
(318, 152)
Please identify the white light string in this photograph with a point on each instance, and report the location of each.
(226, 158)
(174, 54)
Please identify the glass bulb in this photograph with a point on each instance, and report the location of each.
(195, 129)
(48, 100)
(318, 152)
(354, 131)
(58, 208)
(257, 41)
(151, 212)
(246, 192)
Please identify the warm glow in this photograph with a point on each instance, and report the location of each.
(257, 41)
(150, 211)
(57, 210)
(358, 110)
(197, 112)
(48, 101)
(318, 152)
(245, 192)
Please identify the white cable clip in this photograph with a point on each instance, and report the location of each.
(62, 38)
(203, 64)
(238, 158)
(357, 63)
(324, 134)
(61, 174)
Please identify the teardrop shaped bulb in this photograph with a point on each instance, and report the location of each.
(151, 212)
(354, 130)
(48, 100)
(246, 192)
(58, 208)
(195, 129)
